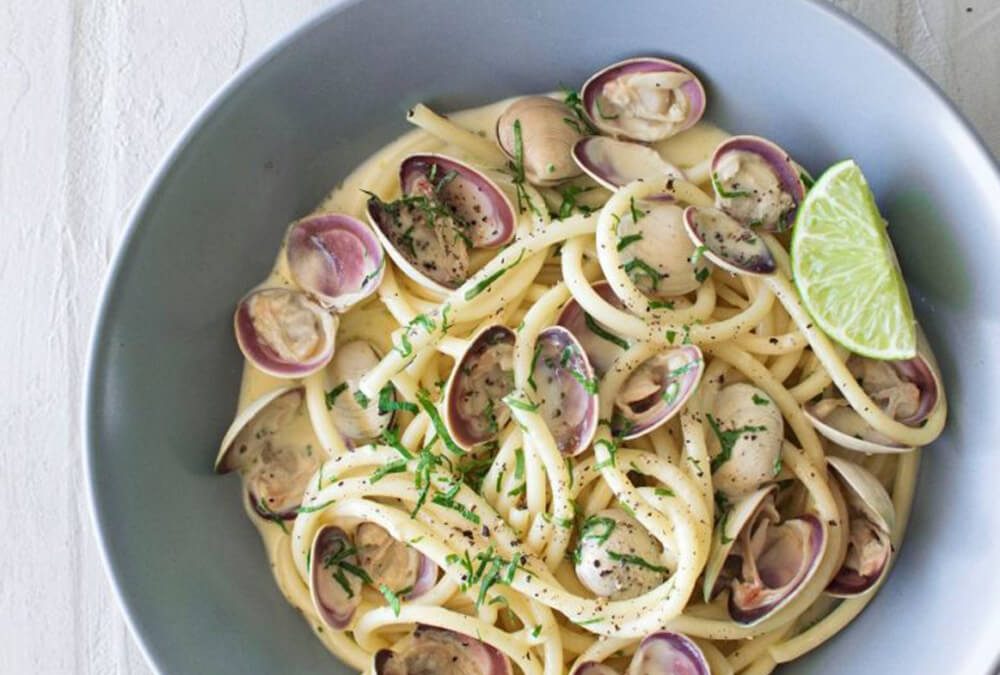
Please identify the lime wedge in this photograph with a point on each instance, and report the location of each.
(846, 271)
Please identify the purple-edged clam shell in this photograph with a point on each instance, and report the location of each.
(475, 200)
(784, 566)
(872, 518)
(644, 99)
(334, 602)
(656, 391)
(564, 387)
(275, 467)
(335, 258)
(601, 343)
(393, 563)
(614, 163)
(756, 182)
(356, 423)
(729, 244)
(921, 372)
(284, 333)
(474, 408)
(668, 653)
(430, 649)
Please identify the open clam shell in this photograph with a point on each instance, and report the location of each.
(275, 465)
(392, 563)
(284, 333)
(726, 242)
(334, 585)
(614, 163)
(872, 519)
(430, 649)
(356, 423)
(668, 653)
(474, 408)
(447, 209)
(775, 558)
(756, 182)
(745, 440)
(656, 391)
(834, 419)
(655, 250)
(477, 202)
(643, 99)
(564, 387)
(600, 342)
(335, 258)
(546, 137)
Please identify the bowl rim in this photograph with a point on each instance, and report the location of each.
(96, 356)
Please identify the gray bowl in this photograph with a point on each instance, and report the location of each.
(163, 373)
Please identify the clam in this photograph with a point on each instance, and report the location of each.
(728, 243)
(447, 209)
(614, 163)
(908, 391)
(594, 668)
(355, 422)
(392, 563)
(601, 344)
(745, 440)
(770, 559)
(474, 411)
(546, 130)
(334, 581)
(668, 653)
(438, 650)
(564, 389)
(616, 557)
(655, 250)
(284, 333)
(276, 468)
(656, 391)
(335, 258)
(872, 518)
(643, 99)
(756, 182)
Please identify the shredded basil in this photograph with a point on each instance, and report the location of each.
(727, 439)
(331, 396)
(599, 330)
(485, 283)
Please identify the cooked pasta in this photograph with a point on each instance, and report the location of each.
(502, 410)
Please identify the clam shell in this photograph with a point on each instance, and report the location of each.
(726, 533)
(335, 258)
(740, 200)
(334, 604)
(668, 653)
(601, 343)
(564, 387)
(546, 138)
(656, 391)
(614, 163)
(350, 363)
(727, 243)
(254, 425)
(869, 500)
(284, 333)
(474, 411)
(656, 74)
(440, 650)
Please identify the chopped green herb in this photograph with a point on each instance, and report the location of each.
(519, 464)
(777, 465)
(485, 283)
(721, 191)
(671, 336)
(404, 347)
(442, 431)
(631, 559)
(760, 400)
(642, 269)
(387, 401)
(315, 507)
(727, 439)
(599, 330)
(361, 399)
(529, 406)
(661, 304)
(698, 253)
(391, 598)
(635, 211)
(627, 240)
(597, 528)
(331, 396)
(612, 449)
(397, 466)
(664, 492)
(390, 437)
(536, 631)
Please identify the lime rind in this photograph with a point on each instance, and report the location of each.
(845, 268)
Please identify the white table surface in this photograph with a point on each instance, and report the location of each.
(92, 94)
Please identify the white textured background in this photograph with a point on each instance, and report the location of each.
(92, 94)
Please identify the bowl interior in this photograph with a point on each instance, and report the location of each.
(164, 368)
